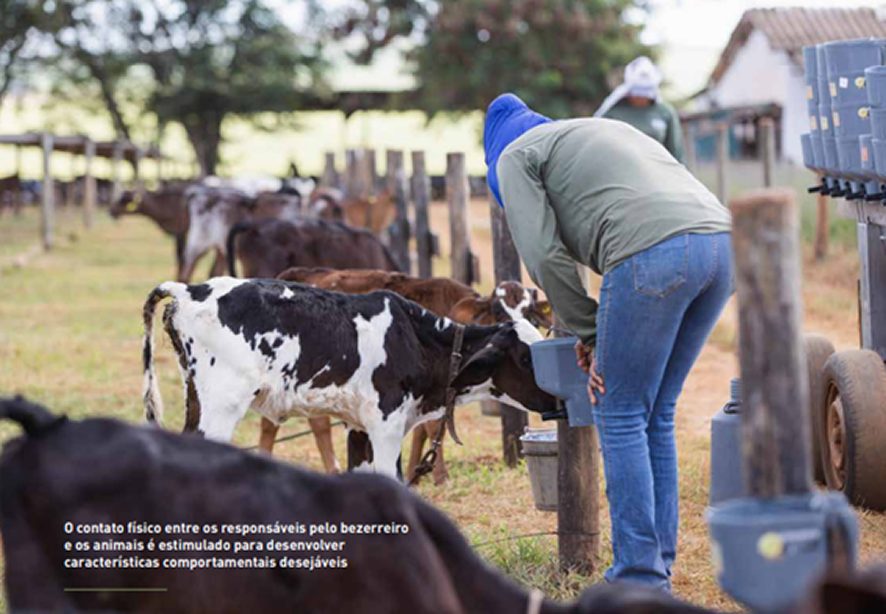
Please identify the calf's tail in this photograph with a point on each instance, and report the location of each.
(230, 246)
(151, 391)
(33, 418)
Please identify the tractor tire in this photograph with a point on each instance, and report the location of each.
(818, 350)
(854, 420)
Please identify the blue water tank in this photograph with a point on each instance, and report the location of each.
(727, 480)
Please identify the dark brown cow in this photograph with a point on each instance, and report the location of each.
(152, 478)
(214, 212)
(509, 301)
(11, 194)
(267, 247)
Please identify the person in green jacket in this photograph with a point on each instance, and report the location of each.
(600, 193)
(638, 102)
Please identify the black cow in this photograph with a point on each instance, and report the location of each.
(101, 471)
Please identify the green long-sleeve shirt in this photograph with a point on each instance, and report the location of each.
(658, 121)
(595, 192)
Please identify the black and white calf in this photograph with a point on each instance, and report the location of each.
(377, 361)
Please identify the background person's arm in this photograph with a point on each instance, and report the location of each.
(674, 139)
(533, 227)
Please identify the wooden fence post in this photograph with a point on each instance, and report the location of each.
(47, 201)
(89, 194)
(330, 178)
(352, 174)
(506, 262)
(399, 230)
(460, 257)
(115, 170)
(775, 421)
(421, 197)
(722, 160)
(767, 149)
(578, 496)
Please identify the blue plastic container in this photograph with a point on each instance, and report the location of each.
(810, 71)
(844, 58)
(821, 77)
(817, 150)
(727, 476)
(808, 155)
(813, 111)
(851, 119)
(557, 373)
(767, 552)
(849, 158)
(878, 122)
(852, 88)
(866, 154)
(879, 147)
(831, 163)
(875, 85)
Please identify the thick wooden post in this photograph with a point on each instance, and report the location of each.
(47, 201)
(767, 149)
(330, 175)
(506, 262)
(459, 233)
(370, 172)
(115, 171)
(352, 174)
(722, 160)
(399, 230)
(421, 197)
(775, 419)
(89, 192)
(578, 496)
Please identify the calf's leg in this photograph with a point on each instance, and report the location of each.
(322, 428)
(218, 267)
(268, 435)
(426, 432)
(224, 397)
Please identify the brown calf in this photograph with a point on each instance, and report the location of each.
(374, 213)
(509, 301)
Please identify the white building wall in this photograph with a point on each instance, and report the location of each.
(761, 75)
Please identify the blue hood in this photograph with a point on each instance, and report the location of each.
(507, 118)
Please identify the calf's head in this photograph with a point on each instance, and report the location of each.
(506, 363)
(509, 301)
(129, 202)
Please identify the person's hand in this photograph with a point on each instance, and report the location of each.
(583, 355)
(595, 382)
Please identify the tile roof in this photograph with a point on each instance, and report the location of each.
(790, 29)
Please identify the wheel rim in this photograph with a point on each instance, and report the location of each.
(834, 431)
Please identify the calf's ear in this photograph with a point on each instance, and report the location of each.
(543, 312)
(479, 367)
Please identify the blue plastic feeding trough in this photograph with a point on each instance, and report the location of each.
(768, 552)
(557, 373)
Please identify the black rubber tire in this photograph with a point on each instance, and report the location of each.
(853, 444)
(818, 350)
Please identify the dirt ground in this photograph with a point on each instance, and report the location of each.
(70, 337)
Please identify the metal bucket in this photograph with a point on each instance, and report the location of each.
(540, 452)
(878, 122)
(851, 119)
(875, 85)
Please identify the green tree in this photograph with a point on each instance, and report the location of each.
(20, 22)
(555, 54)
(197, 62)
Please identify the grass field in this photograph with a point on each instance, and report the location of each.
(70, 335)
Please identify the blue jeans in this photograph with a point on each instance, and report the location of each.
(656, 311)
